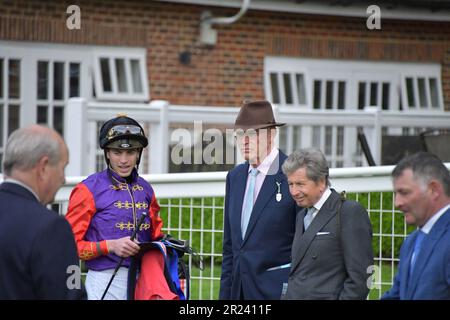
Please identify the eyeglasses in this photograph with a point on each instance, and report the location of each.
(250, 133)
(124, 129)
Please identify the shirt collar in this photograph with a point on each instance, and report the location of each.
(267, 162)
(20, 183)
(430, 223)
(326, 194)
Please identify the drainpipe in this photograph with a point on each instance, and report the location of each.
(208, 35)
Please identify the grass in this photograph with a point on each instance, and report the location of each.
(209, 289)
(205, 289)
(386, 276)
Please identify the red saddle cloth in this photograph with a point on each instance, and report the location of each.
(151, 283)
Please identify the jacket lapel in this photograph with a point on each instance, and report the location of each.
(325, 214)
(239, 184)
(427, 248)
(406, 264)
(298, 236)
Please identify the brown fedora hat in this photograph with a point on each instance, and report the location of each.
(256, 115)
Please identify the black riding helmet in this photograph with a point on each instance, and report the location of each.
(122, 132)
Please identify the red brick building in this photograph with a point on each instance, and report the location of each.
(311, 54)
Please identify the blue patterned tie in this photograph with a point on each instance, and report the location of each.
(248, 205)
(308, 217)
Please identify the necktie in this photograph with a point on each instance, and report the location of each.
(308, 217)
(248, 205)
(417, 247)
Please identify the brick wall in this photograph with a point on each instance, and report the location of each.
(233, 69)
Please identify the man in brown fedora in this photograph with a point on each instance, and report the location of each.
(260, 214)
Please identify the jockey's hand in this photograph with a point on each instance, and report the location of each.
(123, 247)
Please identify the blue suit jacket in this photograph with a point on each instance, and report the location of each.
(36, 247)
(431, 275)
(268, 240)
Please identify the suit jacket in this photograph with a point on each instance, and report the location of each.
(328, 261)
(430, 279)
(247, 263)
(36, 248)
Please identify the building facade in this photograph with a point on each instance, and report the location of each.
(301, 55)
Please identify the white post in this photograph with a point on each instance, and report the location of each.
(159, 138)
(373, 134)
(275, 114)
(75, 135)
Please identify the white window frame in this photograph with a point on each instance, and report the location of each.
(127, 55)
(284, 66)
(427, 72)
(50, 102)
(29, 53)
(351, 72)
(5, 100)
(380, 78)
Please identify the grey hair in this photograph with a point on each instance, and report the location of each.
(25, 147)
(425, 167)
(310, 158)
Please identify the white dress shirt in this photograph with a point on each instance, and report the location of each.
(430, 223)
(326, 194)
(263, 169)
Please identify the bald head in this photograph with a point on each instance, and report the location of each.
(26, 146)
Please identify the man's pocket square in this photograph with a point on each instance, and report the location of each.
(321, 233)
(284, 266)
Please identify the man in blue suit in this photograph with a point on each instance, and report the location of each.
(422, 193)
(38, 257)
(259, 223)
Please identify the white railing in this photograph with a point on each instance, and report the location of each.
(334, 132)
(192, 209)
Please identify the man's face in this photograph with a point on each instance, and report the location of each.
(412, 198)
(255, 145)
(54, 177)
(304, 191)
(123, 161)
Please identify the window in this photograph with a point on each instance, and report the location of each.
(338, 85)
(286, 84)
(374, 93)
(121, 76)
(422, 92)
(56, 82)
(333, 85)
(37, 79)
(329, 94)
(10, 98)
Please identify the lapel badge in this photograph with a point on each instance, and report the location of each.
(278, 196)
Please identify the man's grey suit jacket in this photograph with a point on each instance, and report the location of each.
(331, 261)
